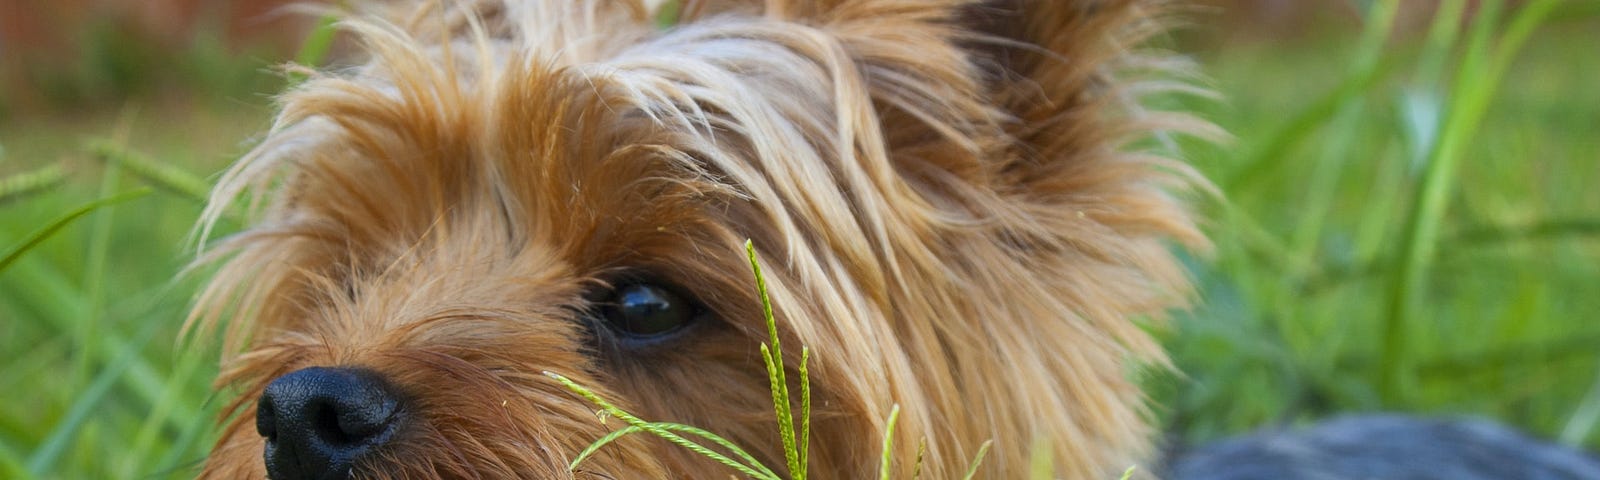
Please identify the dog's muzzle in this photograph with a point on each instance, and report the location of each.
(319, 421)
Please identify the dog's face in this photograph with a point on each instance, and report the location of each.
(509, 188)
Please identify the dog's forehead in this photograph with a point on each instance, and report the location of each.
(685, 132)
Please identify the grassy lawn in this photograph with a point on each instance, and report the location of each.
(1408, 226)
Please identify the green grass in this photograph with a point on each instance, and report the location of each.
(1411, 224)
(1421, 242)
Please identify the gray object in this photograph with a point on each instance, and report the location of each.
(1387, 447)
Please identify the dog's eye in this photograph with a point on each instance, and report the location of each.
(644, 310)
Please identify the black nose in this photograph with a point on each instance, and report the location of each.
(319, 421)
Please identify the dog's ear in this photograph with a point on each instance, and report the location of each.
(1030, 99)
(1073, 76)
(1010, 207)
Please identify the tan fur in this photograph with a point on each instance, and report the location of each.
(942, 191)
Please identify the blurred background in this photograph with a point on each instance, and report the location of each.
(1411, 221)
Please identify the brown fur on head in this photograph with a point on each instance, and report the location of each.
(949, 215)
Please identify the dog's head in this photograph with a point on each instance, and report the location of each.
(949, 214)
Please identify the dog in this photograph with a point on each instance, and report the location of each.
(958, 205)
(947, 216)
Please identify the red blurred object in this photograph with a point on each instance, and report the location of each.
(39, 26)
(38, 37)
(51, 35)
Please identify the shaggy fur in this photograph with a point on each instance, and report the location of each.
(950, 215)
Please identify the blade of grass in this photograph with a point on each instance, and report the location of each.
(315, 48)
(977, 460)
(77, 416)
(886, 462)
(1041, 464)
(1543, 229)
(660, 432)
(166, 177)
(1453, 243)
(86, 329)
(1370, 67)
(916, 467)
(56, 225)
(25, 184)
(602, 442)
(773, 357)
(1262, 161)
(1442, 36)
(805, 412)
(780, 402)
(1127, 474)
(1427, 208)
(52, 299)
(93, 279)
(1477, 78)
(162, 413)
(672, 427)
(722, 442)
(1420, 109)
(1304, 331)
(1330, 165)
(198, 427)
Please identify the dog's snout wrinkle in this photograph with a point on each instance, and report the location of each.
(319, 421)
